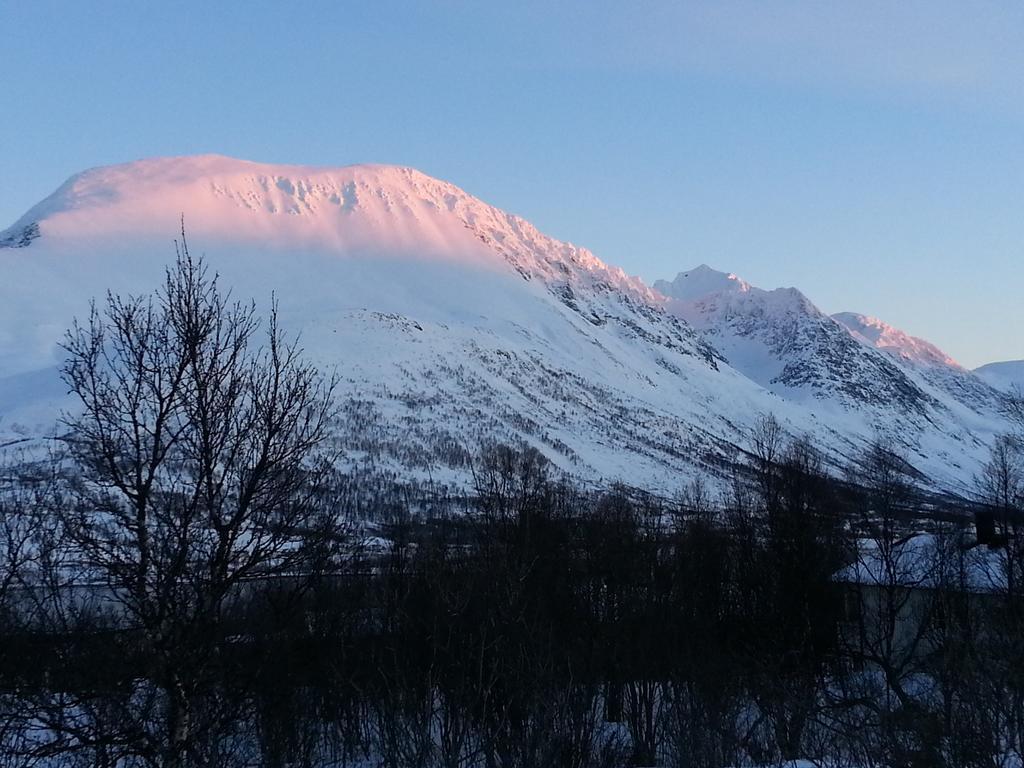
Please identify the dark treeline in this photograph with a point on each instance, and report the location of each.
(184, 583)
(556, 627)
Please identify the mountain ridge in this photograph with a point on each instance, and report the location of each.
(886, 337)
(1004, 375)
(455, 322)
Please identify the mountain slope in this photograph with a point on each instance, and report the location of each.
(452, 323)
(905, 390)
(922, 358)
(781, 340)
(1004, 376)
(873, 331)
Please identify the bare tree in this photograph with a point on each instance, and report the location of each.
(19, 532)
(1001, 483)
(892, 601)
(767, 443)
(197, 469)
(510, 483)
(1013, 407)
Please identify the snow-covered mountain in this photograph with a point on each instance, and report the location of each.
(452, 322)
(835, 366)
(1004, 376)
(922, 358)
(893, 340)
(782, 341)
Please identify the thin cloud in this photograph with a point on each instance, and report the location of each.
(957, 51)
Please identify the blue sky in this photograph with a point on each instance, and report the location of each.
(871, 154)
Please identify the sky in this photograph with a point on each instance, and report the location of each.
(870, 153)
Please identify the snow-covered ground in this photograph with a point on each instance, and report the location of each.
(452, 322)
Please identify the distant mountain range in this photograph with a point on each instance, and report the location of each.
(453, 323)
